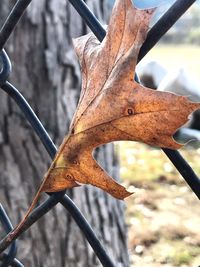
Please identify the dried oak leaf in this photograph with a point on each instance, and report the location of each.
(113, 106)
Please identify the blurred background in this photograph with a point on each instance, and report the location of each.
(163, 215)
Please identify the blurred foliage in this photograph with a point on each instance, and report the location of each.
(140, 162)
(176, 56)
(194, 36)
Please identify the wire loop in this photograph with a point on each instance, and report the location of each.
(6, 67)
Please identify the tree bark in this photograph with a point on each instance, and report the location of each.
(46, 71)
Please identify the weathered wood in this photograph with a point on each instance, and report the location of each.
(46, 71)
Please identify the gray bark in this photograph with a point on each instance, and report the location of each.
(46, 71)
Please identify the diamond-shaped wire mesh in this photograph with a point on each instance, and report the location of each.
(154, 35)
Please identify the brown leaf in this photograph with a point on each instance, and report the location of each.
(113, 106)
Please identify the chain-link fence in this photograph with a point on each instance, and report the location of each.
(154, 35)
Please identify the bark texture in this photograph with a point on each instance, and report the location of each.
(46, 71)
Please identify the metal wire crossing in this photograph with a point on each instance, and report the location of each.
(154, 35)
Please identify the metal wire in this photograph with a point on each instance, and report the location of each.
(31, 117)
(14, 263)
(7, 226)
(154, 35)
(91, 21)
(185, 170)
(6, 67)
(12, 20)
(164, 24)
(55, 197)
(74, 212)
(5, 32)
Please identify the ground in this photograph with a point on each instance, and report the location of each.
(163, 215)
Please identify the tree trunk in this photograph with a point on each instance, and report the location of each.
(46, 71)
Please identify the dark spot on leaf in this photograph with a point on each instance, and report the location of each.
(130, 111)
(69, 177)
